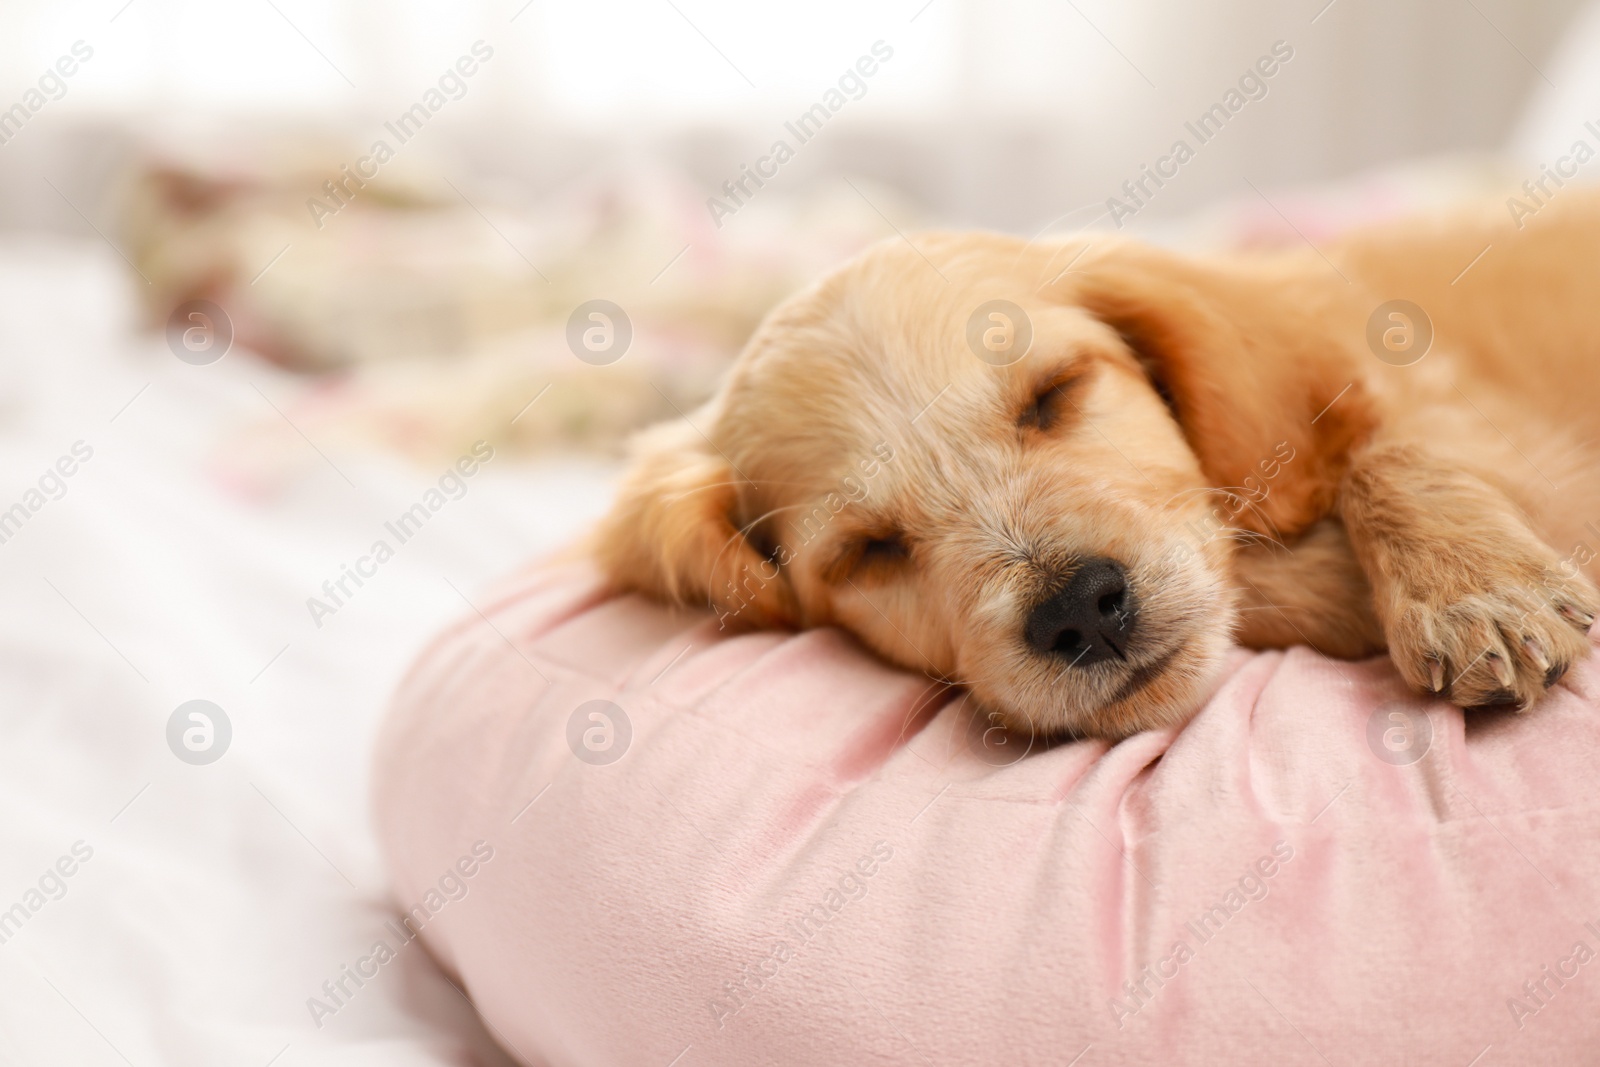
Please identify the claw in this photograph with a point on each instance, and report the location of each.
(1436, 672)
(1535, 653)
(1501, 669)
(1580, 618)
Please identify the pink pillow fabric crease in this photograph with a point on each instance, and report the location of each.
(634, 839)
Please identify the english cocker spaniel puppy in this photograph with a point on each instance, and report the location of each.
(1068, 474)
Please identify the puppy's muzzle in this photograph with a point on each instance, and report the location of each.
(1089, 620)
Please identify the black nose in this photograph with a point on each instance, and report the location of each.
(1089, 619)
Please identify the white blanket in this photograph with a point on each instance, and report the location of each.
(206, 903)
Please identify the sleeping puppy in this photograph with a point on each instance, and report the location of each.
(1068, 475)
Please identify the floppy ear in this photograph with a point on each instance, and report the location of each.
(1259, 363)
(672, 533)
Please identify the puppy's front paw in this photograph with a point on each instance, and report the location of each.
(1482, 642)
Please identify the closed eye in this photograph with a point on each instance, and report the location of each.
(888, 549)
(1052, 404)
(877, 555)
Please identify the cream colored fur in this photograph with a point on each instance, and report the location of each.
(1218, 425)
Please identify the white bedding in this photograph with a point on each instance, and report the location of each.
(217, 898)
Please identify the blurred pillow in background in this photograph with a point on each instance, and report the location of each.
(428, 314)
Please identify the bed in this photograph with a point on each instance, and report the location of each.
(216, 898)
(227, 909)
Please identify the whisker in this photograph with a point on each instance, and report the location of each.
(1239, 533)
(1235, 492)
(735, 484)
(744, 531)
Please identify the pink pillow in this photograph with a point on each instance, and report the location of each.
(780, 851)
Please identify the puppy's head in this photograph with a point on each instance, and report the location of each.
(1002, 470)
